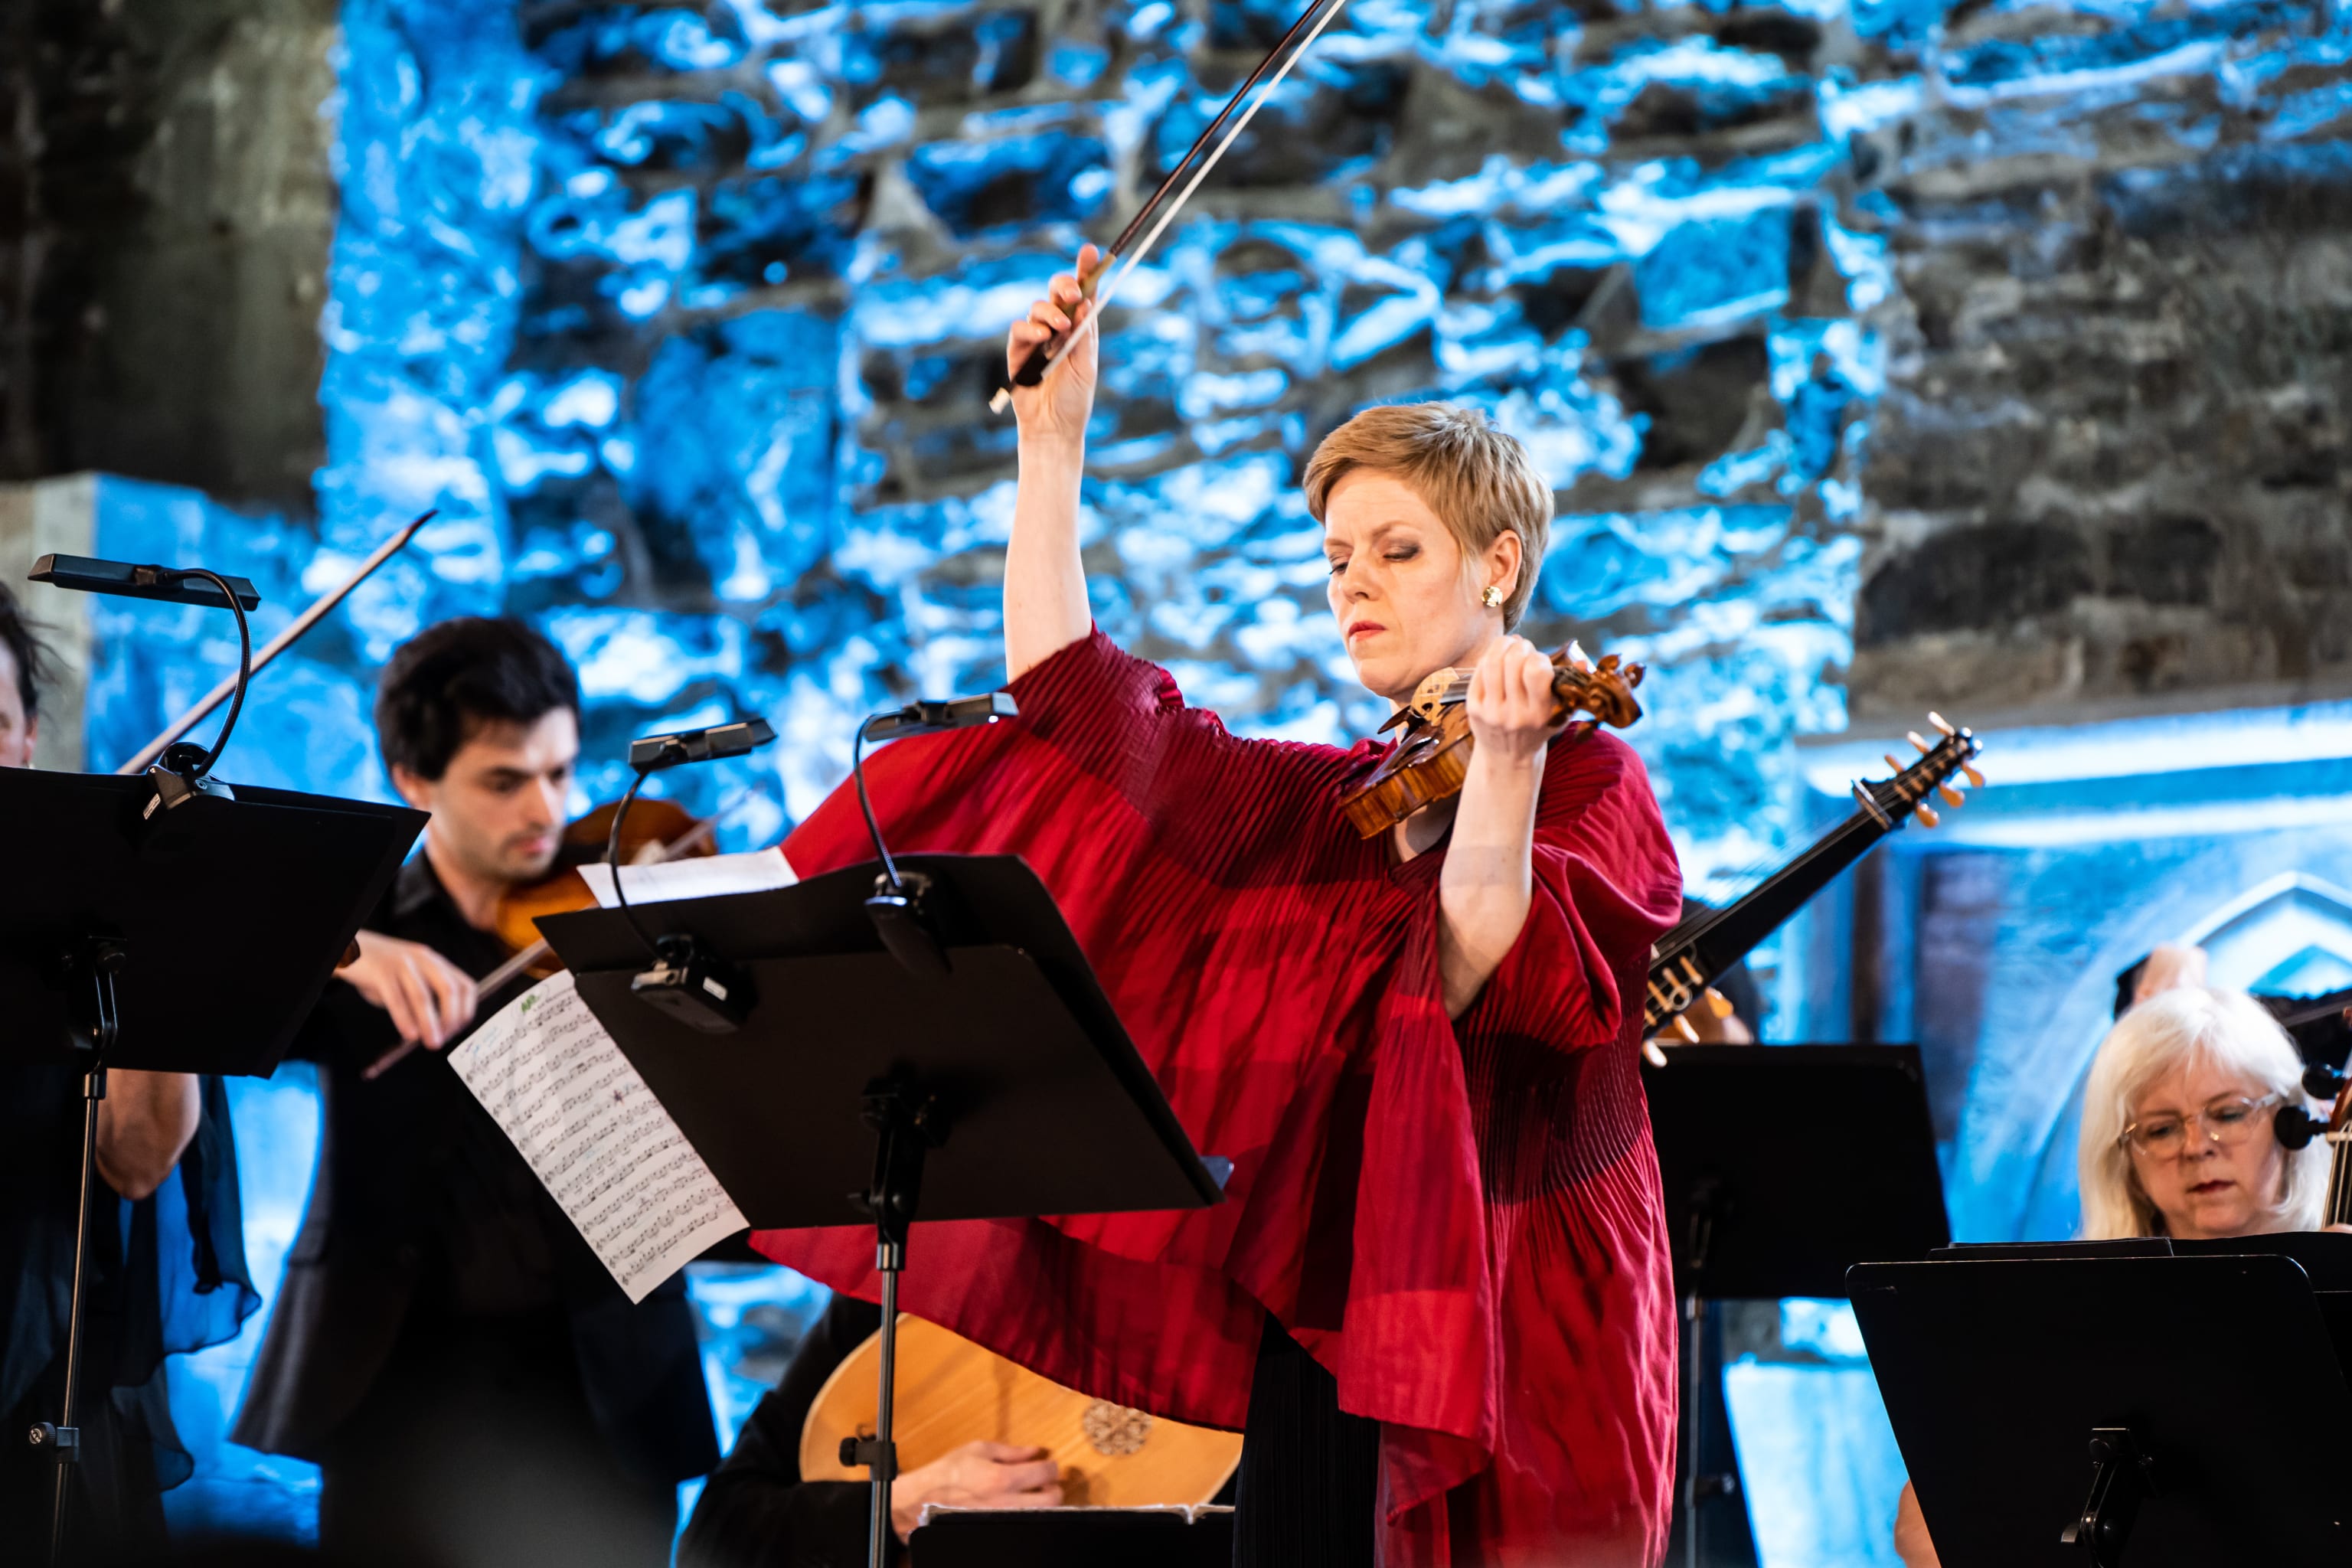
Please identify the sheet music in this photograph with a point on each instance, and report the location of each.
(694, 877)
(614, 1161)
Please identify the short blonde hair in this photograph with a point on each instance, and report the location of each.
(1479, 482)
(2230, 1030)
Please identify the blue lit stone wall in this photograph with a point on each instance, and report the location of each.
(686, 318)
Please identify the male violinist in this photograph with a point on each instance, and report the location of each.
(473, 1385)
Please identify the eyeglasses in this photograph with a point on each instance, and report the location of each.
(2228, 1121)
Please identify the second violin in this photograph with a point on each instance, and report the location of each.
(656, 830)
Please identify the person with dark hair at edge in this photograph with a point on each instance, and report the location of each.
(473, 1385)
(166, 1268)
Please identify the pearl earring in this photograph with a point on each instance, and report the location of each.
(1492, 598)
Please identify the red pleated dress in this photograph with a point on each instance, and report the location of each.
(1460, 1220)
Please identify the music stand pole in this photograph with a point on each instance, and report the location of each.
(63, 1439)
(907, 1123)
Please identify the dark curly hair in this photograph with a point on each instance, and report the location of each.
(36, 666)
(448, 680)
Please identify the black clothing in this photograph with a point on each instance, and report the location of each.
(164, 1275)
(426, 1230)
(1309, 1490)
(755, 1510)
(476, 1446)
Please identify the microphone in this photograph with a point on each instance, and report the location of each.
(173, 585)
(896, 906)
(929, 718)
(654, 753)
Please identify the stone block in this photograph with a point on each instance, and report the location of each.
(768, 231)
(1709, 271)
(735, 428)
(1979, 577)
(1693, 401)
(1051, 176)
(1329, 119)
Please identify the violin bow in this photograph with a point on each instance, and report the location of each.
(1318, 14)
(276, 646)
(521, 961)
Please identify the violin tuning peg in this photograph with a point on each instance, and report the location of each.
(1683, 1028)
(1917, 739)
(1940, 722)
(1892, 762)
(1976, 779)
(1951, 796)
(1927, 817)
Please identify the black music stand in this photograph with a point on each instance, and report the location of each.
(1782, 1166)
(2103, 1410)
(1075, 1538)
(194, 945)
(859, 1084)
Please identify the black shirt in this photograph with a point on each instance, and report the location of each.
(424, 1223)
(755, 1510)
(488, 1232)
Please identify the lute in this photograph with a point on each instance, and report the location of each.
(1691, 957)
(952, 1392)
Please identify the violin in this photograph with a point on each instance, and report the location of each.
(1432, 756)
(657, 830)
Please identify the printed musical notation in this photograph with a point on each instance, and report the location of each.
(609, 1154)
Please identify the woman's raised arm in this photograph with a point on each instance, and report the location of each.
(1045, 605)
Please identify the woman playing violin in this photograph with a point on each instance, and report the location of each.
(1437, 1297)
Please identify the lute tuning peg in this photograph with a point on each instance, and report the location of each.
(1951, 796)
(1917, 739)
(1940, 722)
(1976, 779)
(1928, 816)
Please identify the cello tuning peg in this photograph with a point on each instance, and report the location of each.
(1951, 796)
(1917, 739)
(1928, 816)
(1976, 779)
(1940, 722)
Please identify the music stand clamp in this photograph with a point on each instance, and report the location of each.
(907, 1123)
(2121, 1476)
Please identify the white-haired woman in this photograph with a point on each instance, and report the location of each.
(2179, 1139)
